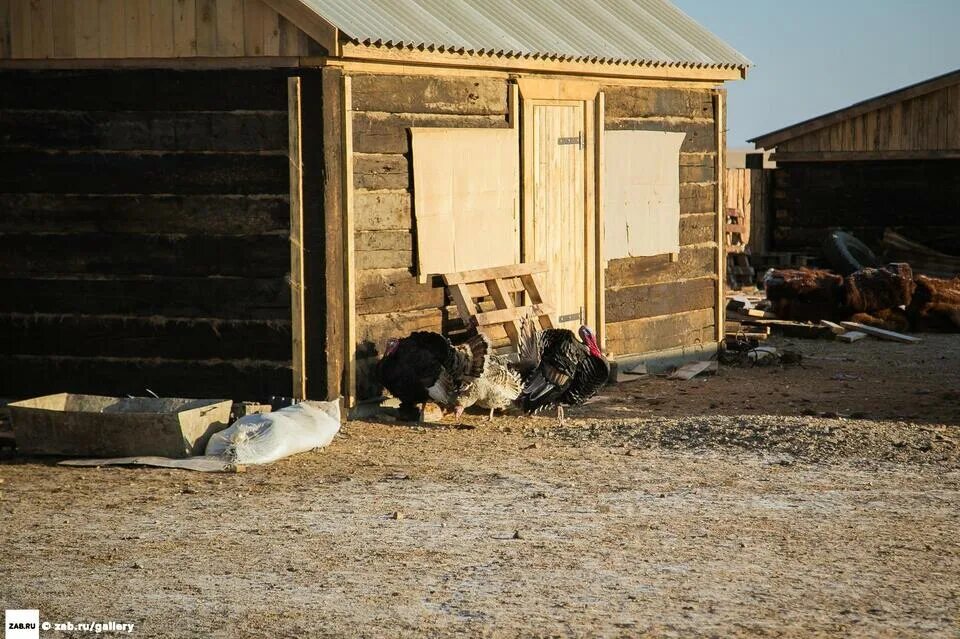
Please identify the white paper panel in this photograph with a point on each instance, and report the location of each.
(466, 190)
(641, 193)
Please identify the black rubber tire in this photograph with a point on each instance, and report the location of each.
(847, 254)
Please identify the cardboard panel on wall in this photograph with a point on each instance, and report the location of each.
(466, 190)
(641, 193)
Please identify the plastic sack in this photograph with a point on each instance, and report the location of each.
(267, 437)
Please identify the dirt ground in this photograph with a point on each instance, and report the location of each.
(820, 499)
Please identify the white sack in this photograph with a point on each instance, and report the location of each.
(267, 437)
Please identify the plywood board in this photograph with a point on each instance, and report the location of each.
(466, 184)
(641, 197)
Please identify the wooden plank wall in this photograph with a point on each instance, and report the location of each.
(92, 29)
(926, 123)
(390, 301)
(920, 197)
(653, 303)
(749, 192)
(145, 236)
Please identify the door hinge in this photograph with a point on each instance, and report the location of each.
(578, 140)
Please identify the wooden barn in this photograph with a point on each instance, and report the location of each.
(246, 198)
(892, 161)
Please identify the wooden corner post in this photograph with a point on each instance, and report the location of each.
(297, 288)
(720, 128)
(328, 105)
(349, 274)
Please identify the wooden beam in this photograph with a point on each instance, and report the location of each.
(534, 297)
(547, 89)
(335, 340)
(310, 22)
(601, 265)
(297, 289)
(349, 272)
(353, 51)
(719, 119)
(484, 274)
(502, 299)
(463, 298)
(855, 156)
(512, 314)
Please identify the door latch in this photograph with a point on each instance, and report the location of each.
(578, 140)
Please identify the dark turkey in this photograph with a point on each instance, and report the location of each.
(425, 366)
(560, 371)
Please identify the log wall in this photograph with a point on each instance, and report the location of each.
(919, 197)
(144, 241)
(92, 29)
(389, 299)
(653, 303)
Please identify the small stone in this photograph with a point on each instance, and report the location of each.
(517, 535)
(137, 566)
(291, 569)
(397, 515)
(603, 508)
(188, 490)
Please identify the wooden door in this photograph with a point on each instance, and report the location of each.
(558, 225)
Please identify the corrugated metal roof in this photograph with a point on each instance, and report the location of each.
(635, 31)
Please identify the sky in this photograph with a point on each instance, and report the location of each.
(814, 56)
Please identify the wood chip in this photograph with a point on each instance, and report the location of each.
(851, 336)
(691, 370)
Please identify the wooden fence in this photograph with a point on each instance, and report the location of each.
(748, 191)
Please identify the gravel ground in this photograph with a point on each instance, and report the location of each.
(750, 503)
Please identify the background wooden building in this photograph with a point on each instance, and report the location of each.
(217, 197)
(892, 161)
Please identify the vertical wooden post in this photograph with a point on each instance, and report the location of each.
(297, 288)
(349, 283)
(331, 121)
(600, 329)
(720, 128)
(591, 277)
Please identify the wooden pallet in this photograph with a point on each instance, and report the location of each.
(499, 284)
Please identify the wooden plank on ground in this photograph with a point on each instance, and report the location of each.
(881, 333)
(835, 328)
